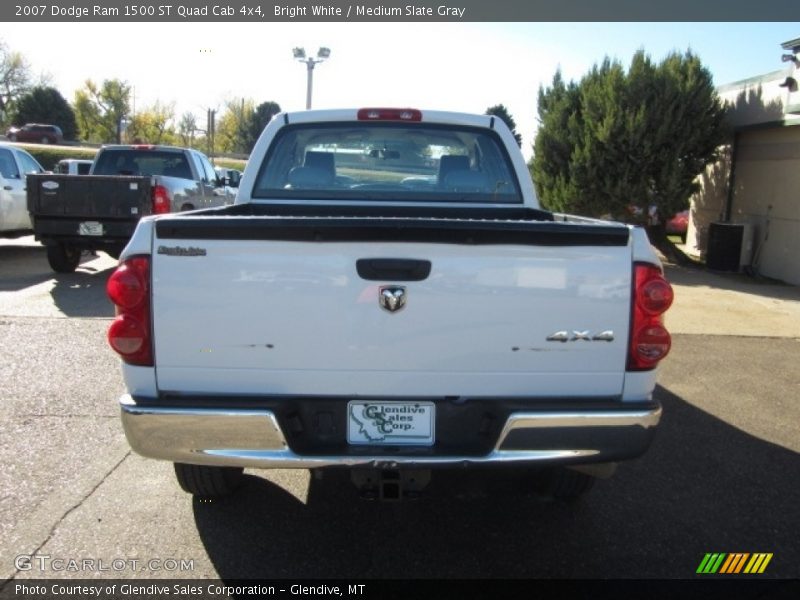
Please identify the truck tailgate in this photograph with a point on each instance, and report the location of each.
(89, 196)
(270, 307)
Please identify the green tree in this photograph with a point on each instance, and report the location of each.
(232, 127)
(152, 125)
(46, 105)
(100, 110)
(187, 127)
(500, 111)
(258, 120)
(241, 124)
(618, 140)
(15, 79)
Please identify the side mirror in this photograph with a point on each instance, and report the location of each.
(233, 179)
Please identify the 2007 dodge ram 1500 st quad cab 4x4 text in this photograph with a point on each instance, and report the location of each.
(387, 295)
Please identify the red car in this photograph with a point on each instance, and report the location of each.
(38, 133)
(679, 225)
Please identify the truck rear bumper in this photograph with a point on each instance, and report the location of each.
(253, 438)
(106, 231)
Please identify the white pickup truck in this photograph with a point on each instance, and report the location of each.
(386, 295)
(15, 165)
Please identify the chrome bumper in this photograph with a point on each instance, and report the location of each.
(253, 438)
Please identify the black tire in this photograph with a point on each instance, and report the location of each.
(63, 258)
(45, 140)
(186, 207)
(12, 138)
(114, 251)
(208, 481)
(563, 484)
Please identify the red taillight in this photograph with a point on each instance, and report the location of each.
(161, 203)
(652, 296)
(127, 336)
(389, 114)
(125, 287)
(129, 290)
(143, 146)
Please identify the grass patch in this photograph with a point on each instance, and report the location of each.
(48, 156)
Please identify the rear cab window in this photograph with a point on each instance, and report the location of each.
(143, 162)
(405, 162)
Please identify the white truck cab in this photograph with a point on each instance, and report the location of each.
(73, 166)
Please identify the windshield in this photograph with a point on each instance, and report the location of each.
(392, 162)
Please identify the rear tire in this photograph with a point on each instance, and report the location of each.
(45, 140)
(63, 258)
(208, 481)
(114, 251)
(12, 138)
(563, 484)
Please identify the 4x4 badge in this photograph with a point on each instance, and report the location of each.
(392, 297)
(586, 336)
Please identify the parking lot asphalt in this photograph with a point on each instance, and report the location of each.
(721, 475)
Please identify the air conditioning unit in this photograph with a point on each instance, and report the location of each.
(730, 246)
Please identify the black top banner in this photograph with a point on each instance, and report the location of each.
(405, 10)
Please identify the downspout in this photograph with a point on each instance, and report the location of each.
(727, 213)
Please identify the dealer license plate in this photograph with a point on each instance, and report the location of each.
(391, 423)
(90, 228)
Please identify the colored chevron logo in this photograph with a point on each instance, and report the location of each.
(722, 563)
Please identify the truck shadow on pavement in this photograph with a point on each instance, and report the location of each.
(22, 267)
(78, 294)
(704, 486)
(83, 293)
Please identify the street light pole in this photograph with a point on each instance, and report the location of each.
(310, 61)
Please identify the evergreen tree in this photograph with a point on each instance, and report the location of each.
(259, 119)
(617, 140)
(500, 111)
(46, 105)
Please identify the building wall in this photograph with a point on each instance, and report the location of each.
(708, 205)
(767, 175)
(767, 195)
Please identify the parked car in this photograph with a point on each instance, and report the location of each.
(73, 166)
(679, 225)
(37, 133)
(231, 177)
(15, 164)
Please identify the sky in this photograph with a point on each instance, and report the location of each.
(445, 66)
